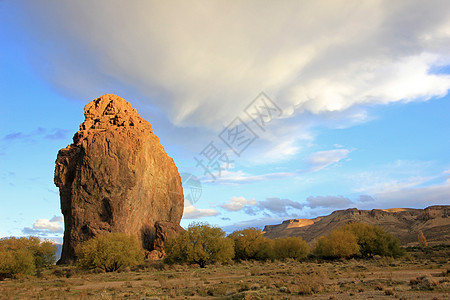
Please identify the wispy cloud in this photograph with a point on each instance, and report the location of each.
(15, 136)
(413, 193)
(49, 134)
(240, 177)
(418, 197)
(366, 198)
(390, 185)
(322, 159)
(396, 175)
(57, 134)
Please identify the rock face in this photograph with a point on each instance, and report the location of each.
(404, 223)
(115, 177)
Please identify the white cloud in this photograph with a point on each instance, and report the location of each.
(237, 203)
(45, 224)
(201, 62)
(191, 212)
(44, 227)
(240, 177)
(322, 159)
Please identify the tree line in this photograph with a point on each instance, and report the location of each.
(201, 244)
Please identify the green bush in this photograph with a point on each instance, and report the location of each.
(45, 254)
(370, 240)
(15, 262)
(373, 240)
(110, 252)
(337, 244)
(201, 244)
(24, 255)
(251, 244)
(290, 247)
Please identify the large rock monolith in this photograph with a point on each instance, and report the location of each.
(115, 177)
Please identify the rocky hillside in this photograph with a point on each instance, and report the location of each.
(404, 223)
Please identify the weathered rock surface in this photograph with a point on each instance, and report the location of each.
(163, 231)
(404, 223)
(115, 177)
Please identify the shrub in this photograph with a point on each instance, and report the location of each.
(373, 240)
(24, 255)
(290, 247)
(370, 240)
(251, 244)
(110, 252)
(14, 262)
(201, 244)
(337, 244)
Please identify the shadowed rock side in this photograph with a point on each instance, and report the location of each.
(404, 223)
(115, 177)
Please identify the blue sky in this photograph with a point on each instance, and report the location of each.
(361, 91)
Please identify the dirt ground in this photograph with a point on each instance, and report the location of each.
(417, 276)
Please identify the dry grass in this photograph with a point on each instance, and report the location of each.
(420, 276)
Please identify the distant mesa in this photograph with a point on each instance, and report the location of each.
(116, 177)
(404, 223)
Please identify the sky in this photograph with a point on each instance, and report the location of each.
(272, 109)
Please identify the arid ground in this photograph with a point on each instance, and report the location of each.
(419, 275)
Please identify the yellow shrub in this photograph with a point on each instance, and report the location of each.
(200, 244)
(290, 247)
(251, 244)
(15, 262)
(337, 244)
(110, 252)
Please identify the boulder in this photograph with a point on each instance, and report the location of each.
(115, 177)
(154, 255)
